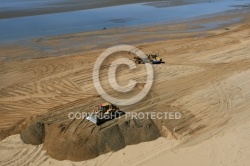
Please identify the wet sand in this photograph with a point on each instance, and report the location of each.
(57, 7)
(76, 43)
(117, 17)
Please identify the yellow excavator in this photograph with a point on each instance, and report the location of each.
(151, 58)
(104, 111)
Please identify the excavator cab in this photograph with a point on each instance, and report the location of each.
(105, 107)
(153, 56)
(103, 112)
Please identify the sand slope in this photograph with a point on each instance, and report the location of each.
(226, 149)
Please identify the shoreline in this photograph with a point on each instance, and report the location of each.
(59, 7)
(67, 7)
(117, 18)
(59, 45)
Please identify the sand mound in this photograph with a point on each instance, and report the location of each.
(92, 141)
(34, 134)
(98, 140)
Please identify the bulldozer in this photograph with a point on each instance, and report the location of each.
(151, 58)
(104, 112)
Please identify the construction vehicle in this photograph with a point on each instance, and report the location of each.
(151, 58)
(104, 112)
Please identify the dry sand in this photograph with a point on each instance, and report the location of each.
(206, 78)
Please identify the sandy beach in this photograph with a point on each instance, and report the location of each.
(205, 77)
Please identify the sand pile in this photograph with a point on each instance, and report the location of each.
(78, 139)
(63, 142)
(34, 134)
